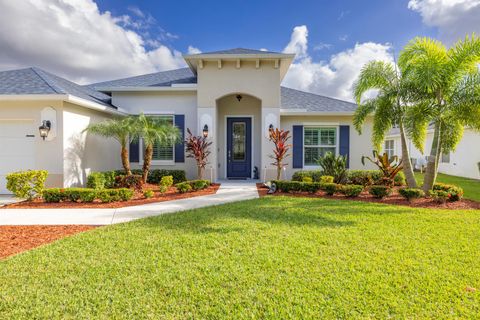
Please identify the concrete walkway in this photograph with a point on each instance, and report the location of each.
(230, 191)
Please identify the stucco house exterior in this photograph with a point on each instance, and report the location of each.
(236, 93)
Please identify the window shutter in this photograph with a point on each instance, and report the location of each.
(180, 147)
(345, 143)
(297, 147)
(134, 151)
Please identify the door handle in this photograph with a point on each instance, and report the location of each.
(229, 155)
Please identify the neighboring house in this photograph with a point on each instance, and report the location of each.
(236, 93)
(463, 162)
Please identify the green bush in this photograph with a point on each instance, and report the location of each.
(86, 194)
(335, 166)
(439, 196)
(109, 179)
(313, 174)
(27, 184)
(163, 189)
(54, 195)
(371, 177)
(330, 188)
(400, 179)
(183, 187)
(125, 194)
(96, 180)
(133, 181)
(411, 193)
(307, 179)
(296, 186)
(108, 195)
(380, 192)
(351, 190)
(80, 194)
(166, 181)
(199, 184)
(326, 179)
(155, 175)
(148, 194)
(454, 192)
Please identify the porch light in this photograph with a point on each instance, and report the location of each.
(205, 131)
(270, 127)
(45, 128)
(239, 97)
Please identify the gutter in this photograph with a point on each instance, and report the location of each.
(304, 112)
(175, 88)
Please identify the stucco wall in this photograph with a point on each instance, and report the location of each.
(84, 152)
(359, 144)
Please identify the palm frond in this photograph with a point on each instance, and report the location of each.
(417, 119)
(378, 75)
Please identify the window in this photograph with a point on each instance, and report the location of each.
(446, 157)
(389, 148)
(163, 152)
(317, 141)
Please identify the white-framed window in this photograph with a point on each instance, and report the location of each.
(445, 157)
(389, 148)
(317, 141)
(163, 152)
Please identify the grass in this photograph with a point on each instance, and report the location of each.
(269, 258)
(471, 187)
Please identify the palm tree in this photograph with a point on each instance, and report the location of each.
(154, 130)
(121, 130)
(387, 107)
(444, 92)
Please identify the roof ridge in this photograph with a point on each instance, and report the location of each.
(54, 87)
(318, 95)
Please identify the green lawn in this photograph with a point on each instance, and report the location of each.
(471, 187)
(270, 258)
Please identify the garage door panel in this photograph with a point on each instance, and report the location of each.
(15, 147)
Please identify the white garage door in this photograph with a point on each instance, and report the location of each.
(16, 148)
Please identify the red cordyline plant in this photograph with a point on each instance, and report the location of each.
(279, 139)
(198, 149)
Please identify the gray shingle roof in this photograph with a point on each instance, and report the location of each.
(38, 81)
(157, 79)
(241, 51)
(296, 99)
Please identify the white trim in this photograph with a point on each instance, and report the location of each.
(149, 89)
(94, 106)
(29, 97)
(335, 126)
(252, 119)
(304, 112)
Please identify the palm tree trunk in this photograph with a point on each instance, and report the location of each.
(147, 159)
(279, 172)
(125, 161)
(431, 171)
(407, 164)
(199, 172)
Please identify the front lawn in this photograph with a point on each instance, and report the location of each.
(274, 257)
(470, 186)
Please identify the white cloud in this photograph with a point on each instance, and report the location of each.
(323, 46)
(73, 38)
(336, 76)
(193, 50)
(453, 18)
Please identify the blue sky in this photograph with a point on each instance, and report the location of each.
(96, 40)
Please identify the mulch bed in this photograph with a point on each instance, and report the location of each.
(15, 239)
(394, 199)
(138, 199)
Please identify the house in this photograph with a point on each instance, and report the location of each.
(463, 162)
(234, 94)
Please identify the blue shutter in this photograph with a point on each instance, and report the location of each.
(134, 151)
(180, 147)
(345, 143)
(297, 147)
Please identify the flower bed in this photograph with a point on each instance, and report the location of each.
(394, 198)
(138, 199)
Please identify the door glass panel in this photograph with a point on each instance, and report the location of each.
(238, 141)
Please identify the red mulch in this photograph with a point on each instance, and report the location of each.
(394, 199)
(138, 199)
(15, 239)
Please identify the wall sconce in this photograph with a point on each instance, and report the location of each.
(239, 97)
(205, 131)
(270, 127)
(45, 128)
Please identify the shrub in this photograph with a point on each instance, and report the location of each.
(296, 186)
(411, 193)
(125, 194)
(109, 179)
(54, 195)
(133, 181)
(326, 179)
(307, 179)
(163, 189)
(96, 180)
(335, 166)
(400, 179)
(390, 167)
(439, 196)
(351, 190)
(183, 187)
(109, 195)
(454, 192)
(330, 188)
(27, 184)
(380, 192)
(73, 194)
(199, 184)
(148, 194)
(156, 175)
(166, 181)
(363, 177)
(313, 174)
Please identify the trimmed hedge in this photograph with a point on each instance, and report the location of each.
(310, 187)
(194, 185)
(27, 184)
(380, 192)
(411, 193)
(454, 193)
(86, 194)
(96, 180)
(439, 196)
(315, 175)
(351, 190)
(183, 187)
(326, 179)
(357, 177)
(110, 177)
(331, 188)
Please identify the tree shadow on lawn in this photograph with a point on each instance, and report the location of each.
(298, 213)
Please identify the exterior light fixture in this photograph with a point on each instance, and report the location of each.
(45, 128)
(205, 131)
(270, 127)
(239, 97)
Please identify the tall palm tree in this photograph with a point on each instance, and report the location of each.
(444, 92)
(387, 107)
(154, 130)
(121, 130)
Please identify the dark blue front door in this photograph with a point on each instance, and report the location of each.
(239, 148)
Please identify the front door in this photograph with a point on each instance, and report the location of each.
(239, 148)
